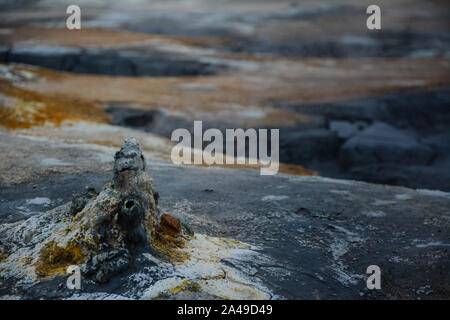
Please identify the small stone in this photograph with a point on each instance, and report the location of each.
(79, 201)
(170, 225)
(27, 236)
(156, 197)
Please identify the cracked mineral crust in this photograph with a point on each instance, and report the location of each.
(103, 237)
(118, 233)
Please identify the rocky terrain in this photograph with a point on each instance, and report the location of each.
(291, 237)
(364, 124)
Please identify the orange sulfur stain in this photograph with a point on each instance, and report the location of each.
(55, 259)
(22, 109)
(292, 169)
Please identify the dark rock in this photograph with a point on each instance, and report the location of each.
(426, 110)
(381, 44)
(156, 197)
(107, 264)
(305, 147)
(157, 121)
(382, 143)
(312, 232)
(346, 129)
(105, 235)
(435, 177)
(130, 218)
(107, 62)
(79, 201)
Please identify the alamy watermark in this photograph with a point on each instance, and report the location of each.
(73, 22)
(374, 280)
(374, 20)
(187, 153)
(74, 281)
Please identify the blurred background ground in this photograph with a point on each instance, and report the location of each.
(350, 102)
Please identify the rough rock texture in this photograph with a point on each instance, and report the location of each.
(147, 69)
(102, 237)
(308, 146)
(295, 237)
(382, 143)
(170, 225)
(283, 27)
(397, 138)
(116, 233)
(106, 62)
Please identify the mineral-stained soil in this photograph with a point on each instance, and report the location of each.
(310, 237)
(249, 65)
(364, 124)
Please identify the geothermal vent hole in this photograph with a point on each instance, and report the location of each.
(129, 204)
